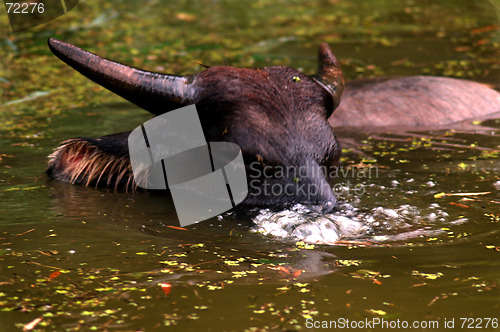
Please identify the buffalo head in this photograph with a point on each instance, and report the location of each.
(277, 115)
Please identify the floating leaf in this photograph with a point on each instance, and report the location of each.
(166, 287)
(178, 228)
(431, 276)
(376, 312)
(54, 275)
(31, 325)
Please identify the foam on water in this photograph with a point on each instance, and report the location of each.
(347, 222)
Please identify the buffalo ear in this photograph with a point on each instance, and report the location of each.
(329, 75)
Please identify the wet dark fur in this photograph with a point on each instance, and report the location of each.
(413, 102)
(275, 119)
(277, 115)
(102, 161)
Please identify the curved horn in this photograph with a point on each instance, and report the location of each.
(155, 92)
(330, 75)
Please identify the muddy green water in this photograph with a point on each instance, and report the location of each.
(84, 259)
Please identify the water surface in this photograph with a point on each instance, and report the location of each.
(420, 241)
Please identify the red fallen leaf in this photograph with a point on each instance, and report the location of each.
(462, 48)
(178, 228)
(481, 42)
(166, 287)
(284, 270)
(460, 205)
(291, 272)
(484, 29)
(54, 275)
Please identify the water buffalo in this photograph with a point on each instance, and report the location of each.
(281, 118)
